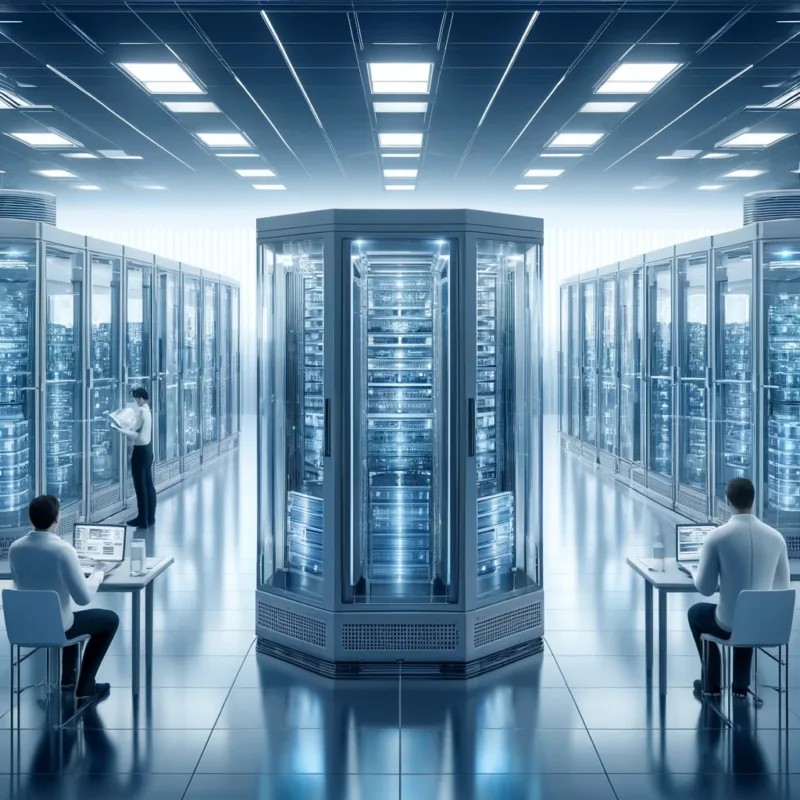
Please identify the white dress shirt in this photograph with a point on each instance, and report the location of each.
(43, 560)
(142, 430)
(743, 554)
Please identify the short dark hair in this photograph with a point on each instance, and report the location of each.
(140, 391)
(43, 511)
(741, 493)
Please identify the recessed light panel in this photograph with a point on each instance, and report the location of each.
(607, 107)
(118, 155)
(400, 173)
(44, 139)
(88, 187)
(79, 155)
(168, 78)
(400, 155)
(719, 155)
(400, 78)
(633, 78)
(155, 188)
(189, 107)
(56, 173)
(561, 155)
(575, 139)
(400, 139)
(530, 187)
(256, 173)
(223, 140)
(544, 173)
(269, 187)
(710, 187)
(238, 155)
(400, 108)
(400, 187)
(744, 173)
(752, 139)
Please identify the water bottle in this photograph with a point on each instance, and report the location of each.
(137, 558)
(658, 555)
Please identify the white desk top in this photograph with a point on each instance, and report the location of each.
(671, 579)
(120, 580)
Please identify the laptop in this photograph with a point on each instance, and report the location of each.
(99, 542)
(688, 543)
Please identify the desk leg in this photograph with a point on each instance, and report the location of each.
(148, 635)
(662, 643)
(136, 637)
(648, 629)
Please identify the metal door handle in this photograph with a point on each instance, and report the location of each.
(471, 427)
(768, 386)
(326, 428)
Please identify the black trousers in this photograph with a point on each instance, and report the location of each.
(142, 474)
(702, 620)
(101, 625)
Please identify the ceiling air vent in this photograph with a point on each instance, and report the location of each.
(33, 206)
(775, 204)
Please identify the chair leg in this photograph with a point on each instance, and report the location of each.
(11, 683)
(786, 699)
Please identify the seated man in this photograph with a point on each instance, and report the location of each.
(42, 560)
(742, 554)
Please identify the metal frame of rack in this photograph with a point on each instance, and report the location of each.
(608, 374)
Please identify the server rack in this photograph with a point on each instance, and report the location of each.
(608, 371)
(564, 376)
(589, 372)
(228, 366)
(191, 373)
(572, 361)
(210, 367)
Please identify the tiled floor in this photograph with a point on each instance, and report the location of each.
(578, 721)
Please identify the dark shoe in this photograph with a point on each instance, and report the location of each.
(98, 691)
(698, 690)
(151, 523)
(135, 523)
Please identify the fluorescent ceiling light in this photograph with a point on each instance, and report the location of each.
(400, 108)
(400, 187)
(11, 100)
(561, 155)
(118, 155)
(223, 140)
(530, 187)
(79, 155)
(88, 187)
(269, 187)
(155, 188)
(399, 78)
(256, 173)
(710, 187)
(544, 173)
(44, 139)
(752, 139)
(400, 155)
(238, 155)
(607, 107)
(679, 155)
(744, 173)
(575, 139)
(400, 173)
(198, 107)
(169, 78)
(719, 155)
(56, 173)
(400, 139)
(633, 78)
(641, 188)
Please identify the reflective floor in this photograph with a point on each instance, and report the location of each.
(576, 722)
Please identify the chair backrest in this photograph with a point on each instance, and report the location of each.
(33, 618)
(763, 618)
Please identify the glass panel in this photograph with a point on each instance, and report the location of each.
(781, 473)
(631, 325)
(291, 420)
(64, 375)
(400, 394)
(505, 417)
(589, 337)
(563, 392)
(17, 382)
(608, 365)
(191, 365)
(575, 362)
(168, 332)
(105, 393)
(235, 383)
(225, 362)
(210, 377)
(693, 346)
(661, 368)
(138, 325)
(734, 330)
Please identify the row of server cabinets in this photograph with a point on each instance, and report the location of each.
(82, 323)
(680, 369)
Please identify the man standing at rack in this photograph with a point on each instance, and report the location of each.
(743, 554)
(141, 433)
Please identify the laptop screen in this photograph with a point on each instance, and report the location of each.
(689, 541)
(99, 542)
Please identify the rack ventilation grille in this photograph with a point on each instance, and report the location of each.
(793, 544)
(765, 206)
(32, 206)
(399, 636)
(291, 624)
(511, 623)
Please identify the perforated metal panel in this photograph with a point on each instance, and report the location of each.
(638, 476)
(399, 636)
(226, 445)
(210, 453)
(34, 206)
(723, 512)
(574, 446)
(770, 205)
(793, 545)
(192, 462)
(590, 454)
(691, 500)
(625, 469)
(659, 485)
(109, 497)
(66, 523)
(288, 623)
(167, 472)
(511, 623)
(608, 464)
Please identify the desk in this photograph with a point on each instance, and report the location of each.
(671, 579)
(121, 580)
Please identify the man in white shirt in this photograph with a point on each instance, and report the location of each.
(142, 460)
(743, 554)
(43, 560)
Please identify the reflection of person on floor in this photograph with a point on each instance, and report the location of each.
(43, 560)
(743, 554)
(142, 460)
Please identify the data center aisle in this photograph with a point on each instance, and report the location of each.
(576, 722)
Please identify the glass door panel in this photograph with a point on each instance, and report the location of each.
(662, 413)
(733, 413)
(64, 378)
(235, 359)
(168, 361)
(292, 419)
(563, 362)
(608, 365)
(692, 371)
(631, 327)
(17, 384)
(138, 326)
(105, 381)
(589, 375)
(780, 491)
(210, 357)
(225, 362)
(400, 401)
(575, 362)
(191, 365)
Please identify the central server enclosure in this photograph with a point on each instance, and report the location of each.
(399, 440)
